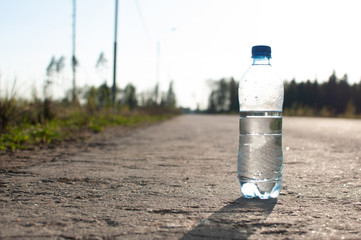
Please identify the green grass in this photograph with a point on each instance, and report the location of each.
(24, 135)
(18, 137)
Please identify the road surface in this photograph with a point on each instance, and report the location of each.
(177, 180)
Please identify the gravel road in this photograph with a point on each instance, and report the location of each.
(178, 180)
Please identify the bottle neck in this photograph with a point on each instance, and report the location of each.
(261, 60)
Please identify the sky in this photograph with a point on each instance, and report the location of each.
(200, 40)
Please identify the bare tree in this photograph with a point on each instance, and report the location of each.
(59, 67)
(101, 62)
(50, 70)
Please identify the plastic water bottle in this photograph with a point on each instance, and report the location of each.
(260, 157)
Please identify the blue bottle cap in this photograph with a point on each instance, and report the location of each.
(261, 50)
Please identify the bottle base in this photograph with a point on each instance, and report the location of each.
(260, 189)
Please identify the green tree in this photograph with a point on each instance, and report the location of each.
(104, 96)
(171, 98)
(233, 94)
(224, 96)
(130, 96)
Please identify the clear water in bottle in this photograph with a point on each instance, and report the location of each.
(260, 154)
(260, 157)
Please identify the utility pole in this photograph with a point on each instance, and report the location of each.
(158, 72)
(115, 54)
(74, 61)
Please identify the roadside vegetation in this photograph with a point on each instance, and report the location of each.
(332, 98)
(25, 123)
(43, 121)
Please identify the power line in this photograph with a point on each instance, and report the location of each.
(140, 14)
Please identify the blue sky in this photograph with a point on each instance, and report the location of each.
(213, 39)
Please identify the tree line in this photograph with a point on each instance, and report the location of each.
(99, 97)
(332, 98)
(90, 101)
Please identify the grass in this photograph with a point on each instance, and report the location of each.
(25, 135)
(25, 123)
(19, 137)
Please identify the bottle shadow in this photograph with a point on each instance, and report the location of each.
(238, 220)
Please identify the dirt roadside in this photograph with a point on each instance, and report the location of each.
(35, 155)
(177, 180)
